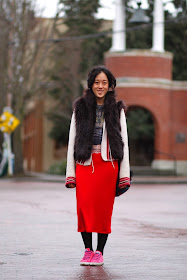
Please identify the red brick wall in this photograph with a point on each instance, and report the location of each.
(140, 66)
(28, 139)
(167, 106)
(33, 138)
(179, 122)
(157, 102)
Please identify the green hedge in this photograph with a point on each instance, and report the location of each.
(58, 168)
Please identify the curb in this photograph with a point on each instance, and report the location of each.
(136, 180)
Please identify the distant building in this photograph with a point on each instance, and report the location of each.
(144, 79)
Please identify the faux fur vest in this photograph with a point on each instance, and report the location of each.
(85, 116)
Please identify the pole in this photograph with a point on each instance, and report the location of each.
(9, 148)
(7, 138)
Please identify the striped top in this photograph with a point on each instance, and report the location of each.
(98, 129)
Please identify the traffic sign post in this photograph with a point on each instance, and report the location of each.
(7, 137)
(8, 123)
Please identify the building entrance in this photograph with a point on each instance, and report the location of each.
(141, 135)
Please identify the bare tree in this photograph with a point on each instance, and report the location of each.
(22, 59)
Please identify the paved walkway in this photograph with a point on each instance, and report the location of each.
(38, 238)
(136, 179)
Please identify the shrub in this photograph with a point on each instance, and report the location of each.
(58, 168)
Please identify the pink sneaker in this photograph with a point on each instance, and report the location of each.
(88, 255)
(97, 259)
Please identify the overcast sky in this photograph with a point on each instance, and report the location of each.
(107, 12)
(49, 7)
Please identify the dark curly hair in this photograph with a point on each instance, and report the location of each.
(97, 70)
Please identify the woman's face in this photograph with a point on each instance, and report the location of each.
(100, 87)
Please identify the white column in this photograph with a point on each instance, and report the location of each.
(158, 26)
(119, 36)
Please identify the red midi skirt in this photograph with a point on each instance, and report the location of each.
(95, 193)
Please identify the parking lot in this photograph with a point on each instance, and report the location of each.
(39, 238)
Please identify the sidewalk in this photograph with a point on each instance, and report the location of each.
(43, 177)
(39, 240)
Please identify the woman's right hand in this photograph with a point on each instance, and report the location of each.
(71, 186)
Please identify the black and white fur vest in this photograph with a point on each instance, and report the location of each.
(85, 116)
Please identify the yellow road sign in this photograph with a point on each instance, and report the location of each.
(8, 122)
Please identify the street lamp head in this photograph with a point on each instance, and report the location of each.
(139, 16)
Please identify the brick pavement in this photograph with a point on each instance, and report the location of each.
(38, 238)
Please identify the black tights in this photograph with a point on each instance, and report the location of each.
(101, 240)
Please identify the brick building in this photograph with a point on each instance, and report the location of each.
(144, 80)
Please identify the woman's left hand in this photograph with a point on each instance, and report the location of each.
(70, 185)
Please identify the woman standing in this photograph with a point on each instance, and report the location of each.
(98, 144)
